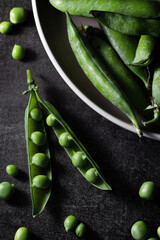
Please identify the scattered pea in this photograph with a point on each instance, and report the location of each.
(70, 223)
(51, 121)
(5, 27)
(40, 160)
(148, 190)
(18, 52)
(22, 234)
(38, 138)
(92, 175)
(158, 232)
(80, 230)
(152, 239)
(140, 230)
(12, 170)
(36, 114)
(79, 159)
(41, 181)
(65, 139)
(6, 190)
(18, 15)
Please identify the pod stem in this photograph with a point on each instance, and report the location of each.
(155, 119)
(30, 82)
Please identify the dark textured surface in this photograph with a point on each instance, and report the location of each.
(125, 159)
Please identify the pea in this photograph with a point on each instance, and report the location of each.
(6, 190)
(18, 52)
(148, 190)
(12, 170)
(22, 234)
(51, 121)
(18, 15)
(152, 239)
(140, 230)
(70, 223)
(40, 160)
(41, 181)
(92, 175)
(65, 139)
(38, 138)
(5, 27)
(36, 114)
(80, 230)
(79, 159)
(158, 232)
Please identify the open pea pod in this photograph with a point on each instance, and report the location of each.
(136, 8)
(127, 24)
(40, 174)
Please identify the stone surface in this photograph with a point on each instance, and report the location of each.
(126, 160)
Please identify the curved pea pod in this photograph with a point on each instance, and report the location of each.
(97, 72)
(126, 47)
(155, 95)
(136, 8)
(145, 51)
(123, 75)
(39, 196)
(128, 25)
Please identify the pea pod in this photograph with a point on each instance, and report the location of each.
(97, 72)
(128, 25)
(126, 47)
(39, 194)
(125, 78)
(136, 8)
(144, 51)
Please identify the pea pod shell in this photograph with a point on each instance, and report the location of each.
(39, 196)
(136, 8)
(62, 127)
(97, 72)
(128, 25)
(126, 47)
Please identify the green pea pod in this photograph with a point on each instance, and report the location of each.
(97, 72)
(155, 95)
(136, 8)
(144, 52)
(124, 77)
(39, 196)
(128, 25)
(126, 47)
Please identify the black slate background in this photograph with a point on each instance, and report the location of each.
(126, 160)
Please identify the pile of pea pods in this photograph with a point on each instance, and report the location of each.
(121, 58)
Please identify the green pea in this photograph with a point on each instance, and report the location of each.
(92, 175)
(18, 52)
(40, 160)
(6, 190)
(79, 159)
(70, 223)
(41, 181)
(65, 139)
(22, 234)
(148, 190)
(51, 121)
(38, 138)
(12, 170)
(18, 15)
(36, 114)
(140, 230)
(80, 230)
(152, 239)
(158, 232)
(5, 27)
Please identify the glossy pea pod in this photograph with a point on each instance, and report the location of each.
(136, 8)
(97, 72)
(128, 82)
(145, 51)
(128, 25)
(126, 47)
(36, 143)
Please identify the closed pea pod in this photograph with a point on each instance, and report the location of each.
(136, 8)
(97, 73)
(36, 142)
